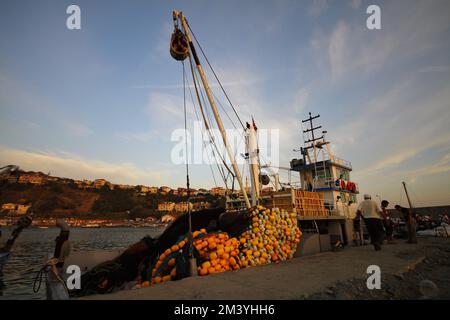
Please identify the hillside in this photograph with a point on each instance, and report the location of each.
(55, 199)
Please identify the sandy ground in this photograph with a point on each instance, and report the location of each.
(330, 275)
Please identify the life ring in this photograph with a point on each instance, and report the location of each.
(350, 186)
(342, 184)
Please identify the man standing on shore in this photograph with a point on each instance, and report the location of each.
(387, 222)
(371, 215)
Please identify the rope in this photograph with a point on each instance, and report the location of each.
(43, 272)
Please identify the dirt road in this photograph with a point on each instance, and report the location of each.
(330, 275)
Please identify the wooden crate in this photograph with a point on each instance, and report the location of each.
(305, 203)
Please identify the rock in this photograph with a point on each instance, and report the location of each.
(428, 289)
(400, 276)
(344, 296)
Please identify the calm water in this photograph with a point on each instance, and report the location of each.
(34, 245)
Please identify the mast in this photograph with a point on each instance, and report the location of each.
(180, 15)
(253, 159)
(411, 221)
(313, 146)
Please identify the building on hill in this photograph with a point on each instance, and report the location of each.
(218, 191)
(166, 206)
(183, 206)
(203, 191)
(36, 178)
(165, 190)
(99, 183)
(16, 209)
(153, 190)
(196, 206)
(8, 206)
(167, 218)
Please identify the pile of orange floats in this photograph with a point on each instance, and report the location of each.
(273, 236)
(218, 253)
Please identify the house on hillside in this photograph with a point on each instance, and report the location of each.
(183, 206)
(218, 191)
(165, 190)
(166, 206)
(36, 178)
(99, 183)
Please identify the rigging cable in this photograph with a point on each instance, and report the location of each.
(203, 140)
(190, 235)
(215, 75)
(207, 125)
(212, 139)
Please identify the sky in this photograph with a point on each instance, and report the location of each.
(103, 101)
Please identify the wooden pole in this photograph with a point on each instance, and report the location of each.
(412, 238)
(214, 109)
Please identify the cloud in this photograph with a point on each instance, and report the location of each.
(301, 100)
(353, 50)
(439, 167)
(65, 164)
(160, 103)
(402, 156)
(338, 49)
(317, 7)
(77, 129)
(435, 69)
(234, 83)
(138, 136)
(355, 4)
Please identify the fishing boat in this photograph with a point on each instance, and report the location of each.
(105, 272)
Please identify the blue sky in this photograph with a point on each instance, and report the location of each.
(103, 101)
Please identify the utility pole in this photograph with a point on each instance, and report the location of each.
(213, 107)
(412, 238)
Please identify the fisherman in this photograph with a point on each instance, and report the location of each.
(387, 222)
(411, 221)
(371, 214)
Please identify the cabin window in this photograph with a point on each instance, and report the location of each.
(322, 174)
(345, 174)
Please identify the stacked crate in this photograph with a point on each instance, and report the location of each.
(304, 203)
(310, 204)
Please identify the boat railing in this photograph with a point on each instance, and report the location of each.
(340, 161)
